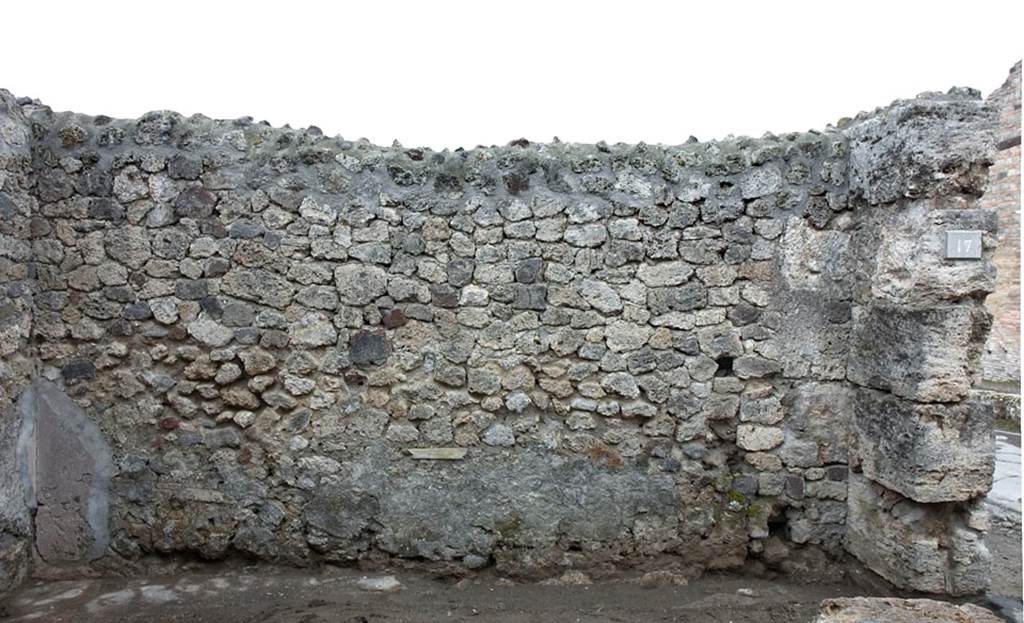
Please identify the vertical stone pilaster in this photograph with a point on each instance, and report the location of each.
(922, 451)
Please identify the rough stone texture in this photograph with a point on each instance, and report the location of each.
(952, 162)
(895, 610)
(641, 349)
(929, 453)
(910, 266)
(1001, 360)
(17, 354)
(933, 548)
(927, 355)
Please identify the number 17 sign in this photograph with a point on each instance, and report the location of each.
(963, 245)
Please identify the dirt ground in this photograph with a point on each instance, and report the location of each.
(251, 596)
(233, 594)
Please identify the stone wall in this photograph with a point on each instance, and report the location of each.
(726, 354)
(17, 363)
(1001, 361)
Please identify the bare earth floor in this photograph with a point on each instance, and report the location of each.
(258, 594)
(251, 596)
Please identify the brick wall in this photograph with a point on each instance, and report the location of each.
(1001, 361)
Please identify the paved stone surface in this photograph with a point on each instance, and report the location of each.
(891, 610)
(1005, 496)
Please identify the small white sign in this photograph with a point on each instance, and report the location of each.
(963, 245)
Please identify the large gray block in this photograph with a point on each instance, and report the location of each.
(932, 548)
(910, 255)
(927, 452)
(927, 355)
(67, 467)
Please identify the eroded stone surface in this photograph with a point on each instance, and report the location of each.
(929, 453)
(928, 355)
(929, 548)
(895, 610)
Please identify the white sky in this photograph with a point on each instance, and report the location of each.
(448, 74)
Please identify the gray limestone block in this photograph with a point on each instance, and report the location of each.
(66, 462)
(359, 284)
(909, 247)
(810, 334)
(257, 285)
(817, 424)
(922, 547)
(815, 259)
(931, 453)
(927, 355)
(532, 503)
(896, 610)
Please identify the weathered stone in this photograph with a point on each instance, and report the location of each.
(256, 360)
(259, 286)
(359, 284)
(752, 366)
(819, 417)
(460, 272)
(483, 381)
(621, 383)
(128, 245)
(394, 319)
(756, 438)
(404, 433)
(530, 297)
(721, 407)
(664, 274)
(312, 330)
(210, 332)
(499, 435)
(529, 270)
(948, 136)
(911, 267)
(600, 295)
(687, 297)
(182, 167)
(622, 336)
(518, 401)
(915, 546)
(927, 355)
(761, 181)
(71, 469)
(130, 185)
(818, 260)
(474, 296)
(368, 348)
(78, 370)
(895, 610)
(762, 411)
(194, 203)
(317, 213)
(926, 452)
(590, 235)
